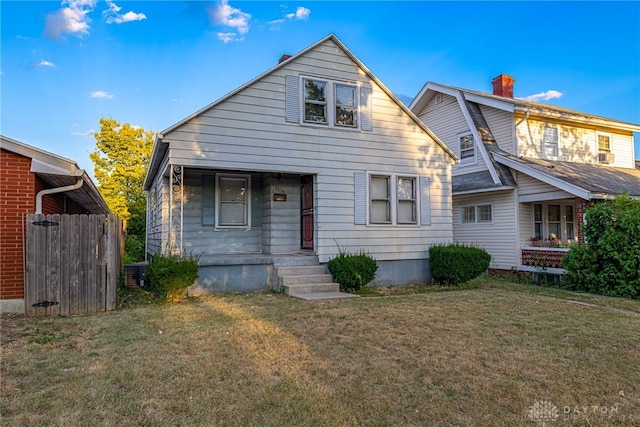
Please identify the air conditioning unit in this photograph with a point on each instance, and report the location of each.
(606, 158)
(134, 274)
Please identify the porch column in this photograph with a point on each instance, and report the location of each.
(581, 207)
(176, 196)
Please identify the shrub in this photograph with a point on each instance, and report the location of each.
(609, 263)
(170, 275)
(352, 271)
(457, 263)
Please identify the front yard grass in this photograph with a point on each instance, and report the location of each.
(492, 355)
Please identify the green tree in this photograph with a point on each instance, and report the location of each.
(120, 164)
(609, 263)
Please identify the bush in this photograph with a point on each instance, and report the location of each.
(170, 275)
(609, 263)
(352, 271)
(456, 263)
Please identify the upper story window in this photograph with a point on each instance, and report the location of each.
(466, 148)
(550, 142)
(605, 156)
(319, 94)
(315, 101)
(319, 101)
(604, 143)
(346, 105)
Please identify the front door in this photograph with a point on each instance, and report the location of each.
(307, 212)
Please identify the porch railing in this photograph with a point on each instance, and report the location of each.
(543, 258)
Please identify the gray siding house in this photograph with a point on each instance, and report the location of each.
(314, 155)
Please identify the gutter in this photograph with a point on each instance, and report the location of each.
(42, 193)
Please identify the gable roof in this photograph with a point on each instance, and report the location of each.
(588, 181)
(59, 171)
(521, 105)
(161, 148)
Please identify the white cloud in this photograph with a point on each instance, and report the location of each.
(301, 13)
(101, 94)
(229, 37)
(113, 16)
(543, 96)
(45, 63)
(224, 14)
(87, 133)
(71, 19)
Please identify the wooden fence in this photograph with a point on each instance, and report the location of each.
(72, 263)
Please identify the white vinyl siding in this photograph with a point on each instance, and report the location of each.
(576, 144)
(497, 237)
(249, 131)
(446, 120)
(502, 127)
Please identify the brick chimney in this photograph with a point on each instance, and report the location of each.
(283, 58)
(503, 85)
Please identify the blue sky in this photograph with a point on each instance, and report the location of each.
(64, 65)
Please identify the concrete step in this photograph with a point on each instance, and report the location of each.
(307, 278)
(311, 288)
(301, 270)
(323, 296)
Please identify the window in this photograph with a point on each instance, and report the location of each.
(569, 221)
(380, 195)
(392, 199)
(406, 191)
(318, 101)
(550, 142)
(604, 143)
(554, 219)
(537, 221)
(467, 148)
(346, 106)
(476, 214)
(232, 201)
(315, 101)
(468, 214)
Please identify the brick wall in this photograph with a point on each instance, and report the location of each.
(17, 198)
(581, 207)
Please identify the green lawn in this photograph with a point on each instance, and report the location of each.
(498, 355)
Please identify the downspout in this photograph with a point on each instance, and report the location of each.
(42, 193)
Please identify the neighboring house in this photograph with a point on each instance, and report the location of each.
(34, 181)
(527, 170)
(314, 155)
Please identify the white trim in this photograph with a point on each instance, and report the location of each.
(534, 173)
(476, 214)
(473, 160)
(330, 102)
(543, 197)
(557, 128)
(478, 141)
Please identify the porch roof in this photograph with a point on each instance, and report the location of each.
(588, 181)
